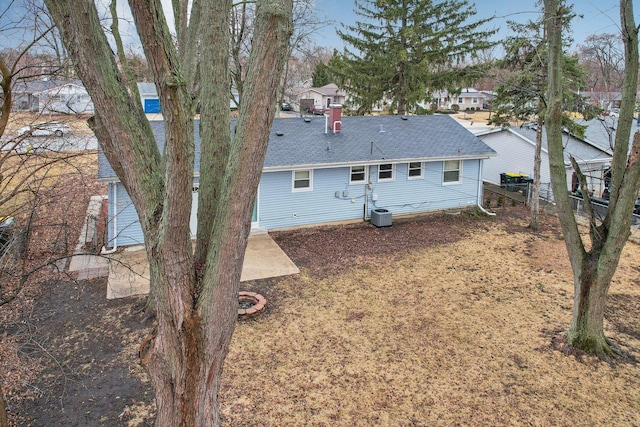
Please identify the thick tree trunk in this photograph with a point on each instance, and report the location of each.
(593, 270)
(587, 324)
(196, 296)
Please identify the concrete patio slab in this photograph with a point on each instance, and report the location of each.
(129, 270)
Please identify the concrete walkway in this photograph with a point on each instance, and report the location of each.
(128, 271)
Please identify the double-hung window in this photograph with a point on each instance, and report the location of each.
(302, 180)
(452, 172)
(415, 170)
(386, 172)
(358, 175)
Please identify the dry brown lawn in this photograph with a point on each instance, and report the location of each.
(437, 321)
(465, 332)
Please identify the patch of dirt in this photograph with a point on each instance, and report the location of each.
(85, 348)
(437, 320)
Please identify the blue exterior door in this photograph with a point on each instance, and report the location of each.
(152, 106)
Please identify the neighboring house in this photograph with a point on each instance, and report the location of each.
(151, 102)
(605, 100)
(516, 150)
(322, 96)
(468, 98)
(52, 96)
(70, 98)
(23, 93)
(313, 175)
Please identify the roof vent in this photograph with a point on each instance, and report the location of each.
(381, 130)
(279, 133)
(404, 118)
(307, 120)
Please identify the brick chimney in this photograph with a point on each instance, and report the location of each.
(335, 117)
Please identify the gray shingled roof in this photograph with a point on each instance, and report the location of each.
(296, 143)
(581, 150)
(598, 135)
(360, 141)
(35, 86)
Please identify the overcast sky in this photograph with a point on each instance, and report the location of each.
(602, 16)
(597, 17)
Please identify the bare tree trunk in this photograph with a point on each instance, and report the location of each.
(4, 419)
(196, 295)
(535, 189)
(587, 324)
(593, 270)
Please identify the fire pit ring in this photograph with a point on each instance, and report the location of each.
(251, 304)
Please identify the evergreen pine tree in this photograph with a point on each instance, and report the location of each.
(321, 76)
(405, 50)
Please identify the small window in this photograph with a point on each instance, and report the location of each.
(358, 175)
(302, 180)
(451, 171)
(385, 172)
(460, 100)
(474, 100)
(415, 170)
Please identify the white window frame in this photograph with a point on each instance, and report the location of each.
(445, 170)
(460, 100)
(393, 172)
(409, 169)
(364, 175)
(294, 180)
(474, 100)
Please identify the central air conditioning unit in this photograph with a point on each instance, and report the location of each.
(381, 218)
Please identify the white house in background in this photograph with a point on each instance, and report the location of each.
(151, 102)
(320, 96)
(516, 149)
(69, 98)
(468, 98)
(23, 92)
(52, 96)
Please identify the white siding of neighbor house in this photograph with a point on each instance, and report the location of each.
(514, 155)
(67, 99)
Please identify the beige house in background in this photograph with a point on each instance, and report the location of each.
(468, 98)
(321, 96)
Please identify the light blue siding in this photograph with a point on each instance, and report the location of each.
(123, 225)
(110, 215)
(280, 207)
(332, 198)
(404, 196)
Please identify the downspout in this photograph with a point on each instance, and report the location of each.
(104, 250)
(480, 191)
(367, 188)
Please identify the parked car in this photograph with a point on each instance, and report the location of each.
(285, 106)
(316, 109)
(45, 129)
